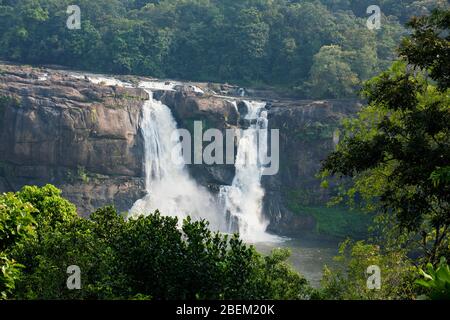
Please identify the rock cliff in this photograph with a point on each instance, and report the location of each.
(84, 138)
(58, 127)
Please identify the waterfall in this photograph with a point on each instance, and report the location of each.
(243, 200)
(169, 187)
(172, 191)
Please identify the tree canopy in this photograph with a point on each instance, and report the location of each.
(252, 42)
(153, 257)
(398, 150)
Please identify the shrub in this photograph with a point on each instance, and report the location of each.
(16, 224)
(436, 281)
(148, 257)
(350, 281)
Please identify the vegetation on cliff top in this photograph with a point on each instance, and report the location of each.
(321, 48)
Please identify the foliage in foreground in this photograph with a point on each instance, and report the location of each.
(16, 224)
(348, 281)
(398, 150)
(397, 154)
(436, 281)
(146, 258)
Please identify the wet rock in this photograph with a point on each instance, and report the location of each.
(242, 108)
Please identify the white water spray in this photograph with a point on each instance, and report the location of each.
(170, 188)
(173, 192)
(243, 200)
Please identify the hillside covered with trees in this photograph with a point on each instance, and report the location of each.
(318, 48)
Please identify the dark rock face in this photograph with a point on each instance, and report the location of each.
(84, 138)
(308, 133)
(187, 105)
(213, 112)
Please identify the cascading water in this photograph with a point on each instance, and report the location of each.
(170, 188)
(243, 200)
(173, 192)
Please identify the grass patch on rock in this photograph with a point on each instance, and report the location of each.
(338, 222)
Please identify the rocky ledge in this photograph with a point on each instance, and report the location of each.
(63, 129)
(83, 136)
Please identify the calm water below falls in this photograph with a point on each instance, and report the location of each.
(308, 256)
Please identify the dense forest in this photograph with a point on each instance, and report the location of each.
(392, 160)
(319, 48)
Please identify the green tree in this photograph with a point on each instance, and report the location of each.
(145, 258)
(52, 208)
(348, 280)
(331, 75)
(252, 42)
(428, 47)
(16, 224)
(401, 140)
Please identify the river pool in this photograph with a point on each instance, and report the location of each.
(308, 256)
